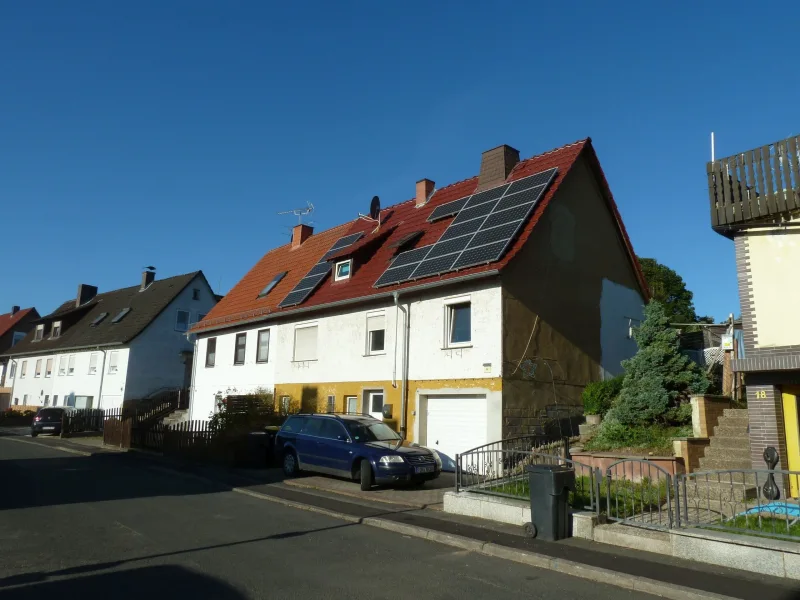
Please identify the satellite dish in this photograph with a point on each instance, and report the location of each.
(375, 207)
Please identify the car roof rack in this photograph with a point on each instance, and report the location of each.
(332, 414)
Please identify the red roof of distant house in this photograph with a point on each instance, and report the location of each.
(7, 321)
(242, 304)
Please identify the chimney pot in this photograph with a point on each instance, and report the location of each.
(424, 190)
(148, 277)
(496, 164)
(300, 234)
(14, 310)
(85, 294)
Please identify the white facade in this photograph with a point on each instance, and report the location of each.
(104, 377)
(342, 352)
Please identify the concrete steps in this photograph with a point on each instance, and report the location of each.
(175, 417)
(737, 453)
(730, 443)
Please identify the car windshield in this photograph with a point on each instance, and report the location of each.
(371, 432)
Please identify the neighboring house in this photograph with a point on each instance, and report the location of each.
(466, 315)
(713, 347)
(755, 201)
(98, 350)
(13, 327)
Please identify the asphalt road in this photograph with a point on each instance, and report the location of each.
(112, 527)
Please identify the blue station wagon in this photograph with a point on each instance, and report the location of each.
(360, 448)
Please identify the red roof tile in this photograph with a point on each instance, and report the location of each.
(7, 321)
(242, 302)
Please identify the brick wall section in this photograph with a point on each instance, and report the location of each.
(691, 450)
(706, 411)
(745, 282)
(766, 423)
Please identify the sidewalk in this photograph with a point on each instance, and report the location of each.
(653, 573)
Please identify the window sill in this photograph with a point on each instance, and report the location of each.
(306, 360)
(209, 366)
(374, 354)
(262, 362)
(238, 364)
(457, 347)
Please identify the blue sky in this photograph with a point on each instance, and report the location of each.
(171, 133)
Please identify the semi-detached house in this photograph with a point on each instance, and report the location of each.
(98, 350)
(467, 311)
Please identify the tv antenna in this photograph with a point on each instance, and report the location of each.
(374, 213)
(299, 212)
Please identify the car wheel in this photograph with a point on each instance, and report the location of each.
(34, 433)
(418, 484)
(290, 468)
(366, 475)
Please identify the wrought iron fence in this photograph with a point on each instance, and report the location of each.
(639, 492)
(747, 501)
(499, 468)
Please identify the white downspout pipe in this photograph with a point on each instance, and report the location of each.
(194, 370)
(404, 371)
(13, 385)
(102, 376)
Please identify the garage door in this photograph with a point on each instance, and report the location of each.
(455, 424)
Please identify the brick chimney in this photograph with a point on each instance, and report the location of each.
(14, 310)
(85, 293)
(300, 234)
(148, 277)
(496, 164)
(424, 190)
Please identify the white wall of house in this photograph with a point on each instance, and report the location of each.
(225, 377)
(342, 353)
(156, 362)
(82, 382)
(774, 258)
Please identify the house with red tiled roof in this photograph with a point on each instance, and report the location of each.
(469, 313)
(13, 327)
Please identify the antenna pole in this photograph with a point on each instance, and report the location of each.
(712, 146)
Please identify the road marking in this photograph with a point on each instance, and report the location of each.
(32, 443)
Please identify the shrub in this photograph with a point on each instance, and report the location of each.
(252, 411)
(613, 435)
(598, 396)
(658, 379)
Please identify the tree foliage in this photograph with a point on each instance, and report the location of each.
(668, 288)
(598, 396)
(658, 378)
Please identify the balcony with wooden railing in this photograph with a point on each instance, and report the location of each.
(760, 185)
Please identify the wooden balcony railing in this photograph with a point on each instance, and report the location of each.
(754, 185)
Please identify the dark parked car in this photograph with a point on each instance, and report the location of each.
(357, 447)
(48, 420)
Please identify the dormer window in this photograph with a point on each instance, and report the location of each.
(343, 269)
(39, 333)
(56, 331)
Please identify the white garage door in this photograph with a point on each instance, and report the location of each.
(455, 424)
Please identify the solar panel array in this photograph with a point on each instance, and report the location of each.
(447, 210)
(484, 227)
(315, 276)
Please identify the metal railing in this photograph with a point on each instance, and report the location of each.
(749, 501)
(640, 492)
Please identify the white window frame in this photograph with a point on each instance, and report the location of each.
(286, 402)
(71, 365)
(209, 355)
(258, 345)
(244, 336)
(341, 263)
(12, 369)
(37, 371)
(23, 370)
(62, 365)
(93, 363)
(56, 328)
(449, 313)
(314, 325)
(48, 367)
(38, 335)
(379, 314)
(331, 404)
(113, 362)
(188, 318)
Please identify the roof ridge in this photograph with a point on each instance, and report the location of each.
(551, 151)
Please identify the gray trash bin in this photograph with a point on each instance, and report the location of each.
(550, 486)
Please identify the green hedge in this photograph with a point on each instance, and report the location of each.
(598, 396)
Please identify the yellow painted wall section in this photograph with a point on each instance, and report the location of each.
(792, 428)
(314, 397)
(774, 259)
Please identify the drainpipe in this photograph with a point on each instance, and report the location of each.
(404, 372)
(13, 385)
(194, 370)
(102, 375)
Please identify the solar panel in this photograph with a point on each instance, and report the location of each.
(481, 232)
(447, 210)
(317, 273)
